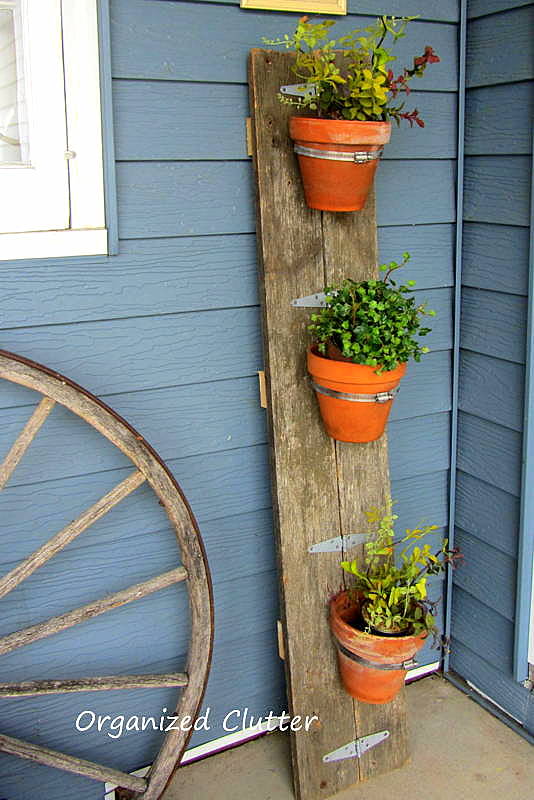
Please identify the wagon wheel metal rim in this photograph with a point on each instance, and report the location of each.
(60, 390)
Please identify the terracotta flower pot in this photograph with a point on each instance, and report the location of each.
(353, 400)
(331, 184)
(371, 666)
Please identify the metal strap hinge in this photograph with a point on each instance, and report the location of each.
(299, 89)
(356, 748)
(339, 543)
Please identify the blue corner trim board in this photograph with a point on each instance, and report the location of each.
(462, 39)
(526, 530)
(110, 188)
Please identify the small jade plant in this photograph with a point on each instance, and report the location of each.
(372, 322)
(356, 82)
(391, 582)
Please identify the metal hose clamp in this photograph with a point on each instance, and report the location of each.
(378, 397)
(372, 664)
(359, 157)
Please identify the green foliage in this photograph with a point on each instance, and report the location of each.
(354, 83)
(394, 592)
(372, 322)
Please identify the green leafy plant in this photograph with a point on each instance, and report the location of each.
(356, 82)
(372, 322)
(393, 591)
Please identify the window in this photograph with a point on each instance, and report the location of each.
(51, 169)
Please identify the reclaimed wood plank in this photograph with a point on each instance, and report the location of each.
(310, 472)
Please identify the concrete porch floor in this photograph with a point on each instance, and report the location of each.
(459, 752)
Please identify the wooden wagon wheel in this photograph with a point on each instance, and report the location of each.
(56, 389)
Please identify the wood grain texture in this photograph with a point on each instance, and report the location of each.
(492, 389)
(145, 112)
(24, 439)
(489, 513)
(99, 684)
(148, 42)
(494, 324)
(314, 479)
(497, 190)
(51, 758)
(490, 452)
(495, 257)
(488, 574)
(175, 198)
(434, 10)
(490, 37)
(69, 533)
(498, 120)
(79, 615)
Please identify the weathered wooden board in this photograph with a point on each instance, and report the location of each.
(320, 487)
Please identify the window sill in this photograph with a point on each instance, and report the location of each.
(53, 244)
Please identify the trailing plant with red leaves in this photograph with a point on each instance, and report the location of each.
(350, 78)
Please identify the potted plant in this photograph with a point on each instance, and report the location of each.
(363, 338)
(349, 87)
(381, 622)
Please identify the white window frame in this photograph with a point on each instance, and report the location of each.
(86, 233)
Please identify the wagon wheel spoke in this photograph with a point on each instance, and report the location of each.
(24, 439)
(39, 557)
(97, 684)
(53, 758)
(55, 388)
(55, 624)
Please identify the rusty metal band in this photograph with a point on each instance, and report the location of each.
(378, 397)
(372, 664)
(358, 157)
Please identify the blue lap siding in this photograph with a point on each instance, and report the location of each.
(168, 333)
